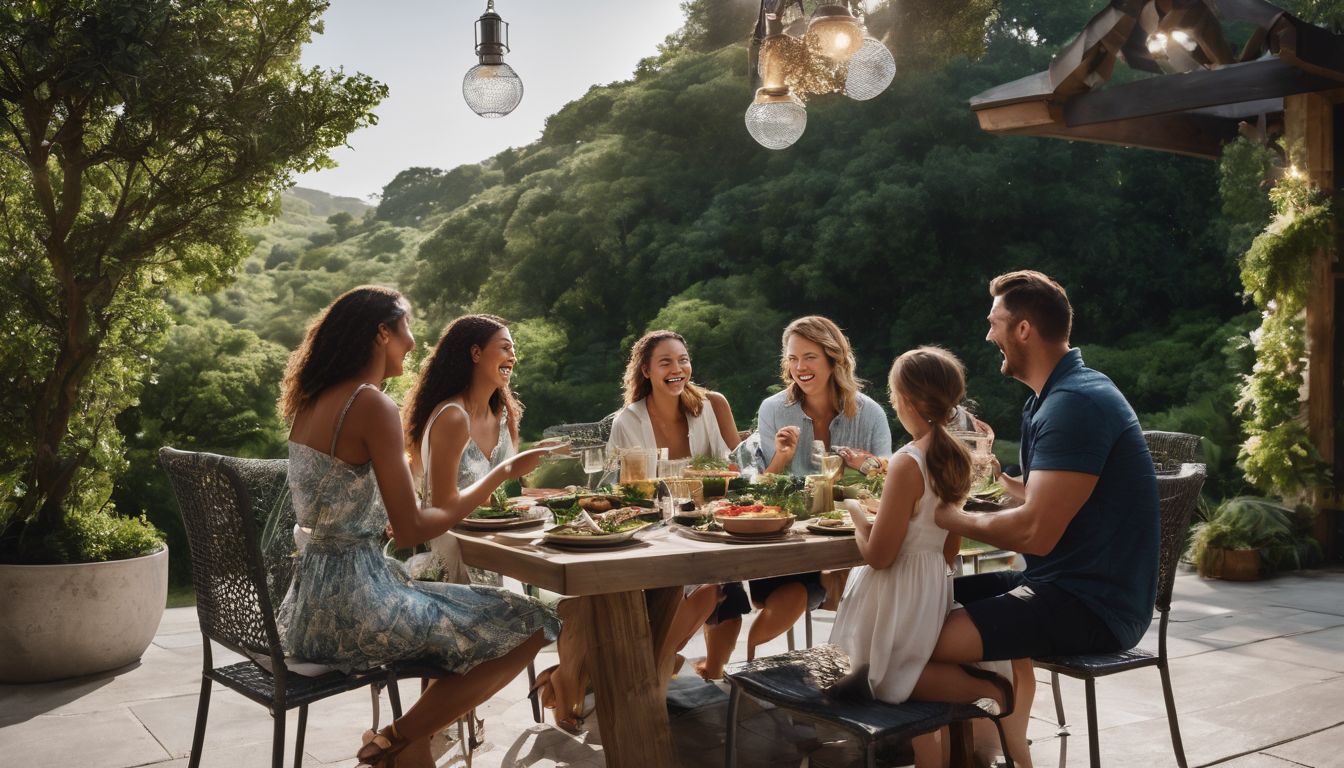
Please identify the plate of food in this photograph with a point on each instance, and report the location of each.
(834, 523)
(751, 519)
(502, 513)
(709, 529)
(608, 529)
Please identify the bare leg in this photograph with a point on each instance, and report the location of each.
(563, 686)
(932, 750)
(690, 615)
(720, 639)
(1015, 725)
(782, 609)
(448, 699)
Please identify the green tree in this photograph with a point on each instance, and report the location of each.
(138, 137)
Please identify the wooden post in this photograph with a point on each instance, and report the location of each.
(1309, 128)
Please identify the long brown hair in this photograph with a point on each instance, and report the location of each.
(826, 334)
(338, 344)
(447, 372)
(638, 386)
(933, 381)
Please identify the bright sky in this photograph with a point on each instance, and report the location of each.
(421, 50)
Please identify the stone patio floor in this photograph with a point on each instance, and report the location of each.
(1258, 673)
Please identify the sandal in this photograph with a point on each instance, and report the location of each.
(381, 748)
(1004, 686)
(551, 695)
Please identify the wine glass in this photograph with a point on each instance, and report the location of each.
(594, 462)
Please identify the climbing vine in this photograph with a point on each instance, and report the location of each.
(1278, 456)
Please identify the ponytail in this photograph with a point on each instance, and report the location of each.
(933, 381)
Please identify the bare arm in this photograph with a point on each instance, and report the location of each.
(951, 548)
(723, 414)
(785, 442)
(376, 421)
(880, 541)
(1053, 498)
(447, 440)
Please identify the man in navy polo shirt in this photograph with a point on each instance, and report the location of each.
(1088, 523)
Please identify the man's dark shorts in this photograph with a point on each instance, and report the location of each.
(1018, 621)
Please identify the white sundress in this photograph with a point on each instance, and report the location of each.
(890, 619)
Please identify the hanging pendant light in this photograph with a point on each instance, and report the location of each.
(839, 35)
(776, 118)
(492, 88)
(871, 70)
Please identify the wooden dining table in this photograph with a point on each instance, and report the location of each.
(627, 597)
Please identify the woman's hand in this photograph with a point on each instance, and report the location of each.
(529, 460)
(854, 457)
(786, 441)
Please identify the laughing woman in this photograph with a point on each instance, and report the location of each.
(463, 390)
(820, 401)
(665, 409)
(349, 606)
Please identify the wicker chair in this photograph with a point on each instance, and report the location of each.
(594, 432)
(798, 681)
(1171, 449)
(1178, 494)
(221, 499)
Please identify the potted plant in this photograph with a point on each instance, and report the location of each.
(143, 134)
(1248, 537)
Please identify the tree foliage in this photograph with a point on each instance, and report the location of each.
(137, 137)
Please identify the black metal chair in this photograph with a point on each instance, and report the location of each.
(221, 500)
(1178, 495)
(798, 681)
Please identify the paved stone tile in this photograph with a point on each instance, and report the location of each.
(111, 739)
(1324, 748)
(1259, 760)
(1323, 648)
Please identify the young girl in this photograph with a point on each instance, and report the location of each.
(349, 606)
(894, 607)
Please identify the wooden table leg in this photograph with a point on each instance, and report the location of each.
(963, 744)
(631, 702)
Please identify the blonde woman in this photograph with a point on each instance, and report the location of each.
(820, 401)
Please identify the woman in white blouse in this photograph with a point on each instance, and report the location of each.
(665, 409)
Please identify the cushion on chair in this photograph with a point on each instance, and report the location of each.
(1098, 664)
(798, 680)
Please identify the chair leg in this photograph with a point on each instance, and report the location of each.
(1003, 742)
(870, 753)
(1093, 738)
(1171, 714)
(202, 714)
(788, 636)
(278, 740)
(1059, 705)
(394, 698)
(807, 626)
(298, 741)
(730, 729)
(532, 693)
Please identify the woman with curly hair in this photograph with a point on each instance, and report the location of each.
(349, 606)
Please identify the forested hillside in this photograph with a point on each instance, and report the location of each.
(646, 204)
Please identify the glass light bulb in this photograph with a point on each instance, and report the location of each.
(492, 90)
(775, 123)
(871, 70)
(838, 37)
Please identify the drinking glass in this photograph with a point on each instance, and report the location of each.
(981, 446)
(594, 461)
(637, 464)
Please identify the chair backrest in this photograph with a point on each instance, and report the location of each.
(1171, 449)
(583, 433)
(220, 499)
(1178, 495)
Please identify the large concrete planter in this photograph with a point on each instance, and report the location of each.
(60, 621)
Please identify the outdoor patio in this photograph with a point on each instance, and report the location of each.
(1258, 675)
